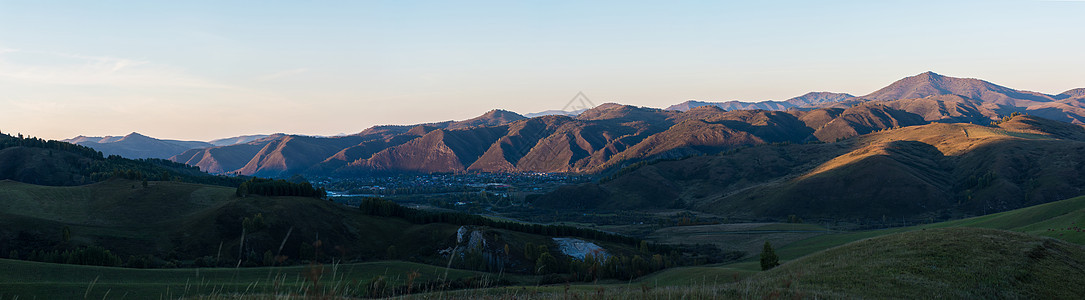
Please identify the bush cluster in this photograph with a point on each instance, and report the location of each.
(91, 256)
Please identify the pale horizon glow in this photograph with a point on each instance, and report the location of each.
(202, 70)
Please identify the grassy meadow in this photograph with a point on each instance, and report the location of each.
(1033, 252)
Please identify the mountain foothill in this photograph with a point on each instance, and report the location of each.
(610, 135)
(926, 146)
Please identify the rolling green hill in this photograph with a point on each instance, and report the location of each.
(956, 263)
(933, 263)
(183, 222)
(1060, 219)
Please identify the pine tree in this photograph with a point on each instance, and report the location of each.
(392, 252)
(769, 259)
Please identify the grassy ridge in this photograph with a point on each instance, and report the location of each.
(961, 263)
(81, 204)
(184, 221)
(1050, 219)
(57, 281)
(121, 215)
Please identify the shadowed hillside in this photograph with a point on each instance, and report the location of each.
(865, 118)
(281, 157)
(929, 171)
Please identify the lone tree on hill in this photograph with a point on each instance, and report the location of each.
(769, 259)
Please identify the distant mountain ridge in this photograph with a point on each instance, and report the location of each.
(237, 140)
(812, 99)
(557, 112)
(1068, 106)
(284, 155)
(608, 135)
(595, 140)
(931, 84)
(1074, 93)
(818, 98)
(135, 145)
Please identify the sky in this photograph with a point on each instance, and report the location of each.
(200, 70)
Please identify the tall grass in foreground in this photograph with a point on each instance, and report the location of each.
(329, 282)
(482, 287)
(590, 291)
(28, 280)
(385, 280)
(320, 281)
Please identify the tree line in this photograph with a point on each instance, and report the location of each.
(271, 187)
(91, 256)
(7, 141)
(384, 208)
(115, 166)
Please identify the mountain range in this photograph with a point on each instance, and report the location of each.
(925, 148)
(1066, 106)
(135, 145)
(812, 99)
(610, 135)
(552, 112)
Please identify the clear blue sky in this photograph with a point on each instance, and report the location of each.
(204, 69)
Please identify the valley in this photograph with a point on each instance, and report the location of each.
(938, 254)
(613, 200)
(542, 150)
